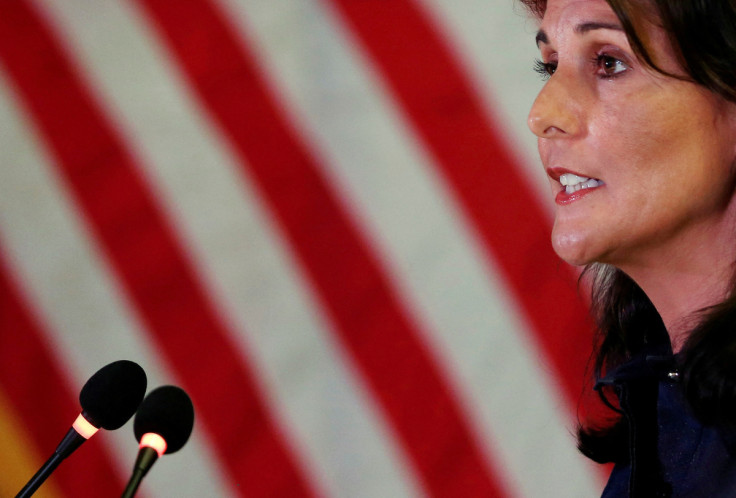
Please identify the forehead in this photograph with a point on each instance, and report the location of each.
(564, 15)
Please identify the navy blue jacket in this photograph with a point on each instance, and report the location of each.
(671, 454)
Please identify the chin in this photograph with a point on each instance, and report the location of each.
(573, 249)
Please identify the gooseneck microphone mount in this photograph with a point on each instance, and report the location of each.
(108, 399)
(147, 456)
(162, 426)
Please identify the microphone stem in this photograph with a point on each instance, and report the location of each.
(147, 456)
(133, 483)
(39, 477)
(71, 442)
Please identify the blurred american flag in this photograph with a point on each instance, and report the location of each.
(324, 219)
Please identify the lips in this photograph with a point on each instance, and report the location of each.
(574, 186)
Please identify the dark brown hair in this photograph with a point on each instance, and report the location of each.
(702, 32)
(703, 36)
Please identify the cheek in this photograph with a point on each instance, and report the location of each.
(666, 144)
(634, 131)
(687, 164)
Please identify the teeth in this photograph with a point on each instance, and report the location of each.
(573, 183)
(590, 183)
(571, 179)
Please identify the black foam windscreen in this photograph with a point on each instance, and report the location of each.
(113, 394)
(168, 412)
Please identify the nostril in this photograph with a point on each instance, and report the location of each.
(553, 131)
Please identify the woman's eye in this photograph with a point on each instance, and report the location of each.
(609, 66)
(545, 69)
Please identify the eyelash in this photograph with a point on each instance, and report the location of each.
(547, 69)
(544, 69)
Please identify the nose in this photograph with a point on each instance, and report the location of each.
(557, 110)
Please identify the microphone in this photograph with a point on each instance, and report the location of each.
(108, 400)
(162, 425)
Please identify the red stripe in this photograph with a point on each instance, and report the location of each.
(143, 252)
(437, 97)
(348, 279)
(35, 384)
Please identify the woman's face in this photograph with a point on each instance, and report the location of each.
(647, 159)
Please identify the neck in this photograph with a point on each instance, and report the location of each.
(682, 284)
(680, 297)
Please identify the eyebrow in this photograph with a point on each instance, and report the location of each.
(580, 29)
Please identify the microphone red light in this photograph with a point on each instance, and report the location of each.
(154, 441)
(84, 428)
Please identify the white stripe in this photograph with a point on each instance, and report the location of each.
(88, 317)
(494, 40)
(314, 390)
(343, 109)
